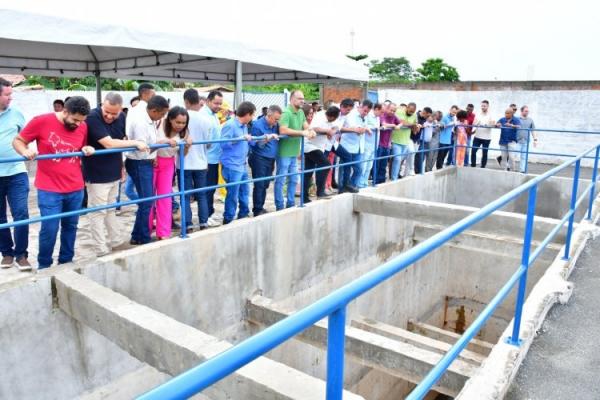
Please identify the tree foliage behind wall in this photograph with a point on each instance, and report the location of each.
(399, 70)
(391, 70)
(436, 70)
(311, 90)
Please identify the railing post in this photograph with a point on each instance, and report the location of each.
(301, 173)
(572, 210)
(527, 151)
(375, 157)
(182, 205)
(593, 189)
(454, 151)
(336, 335)
(514, 338)
(422, 154)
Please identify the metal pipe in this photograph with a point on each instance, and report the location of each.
(594, 179)
(182, 198)
(238, 84)
(514, 339)
(336, 335)
(572, 218)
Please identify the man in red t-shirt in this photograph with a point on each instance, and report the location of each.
(59, 181)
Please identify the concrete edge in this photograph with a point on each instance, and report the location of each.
(493, 379)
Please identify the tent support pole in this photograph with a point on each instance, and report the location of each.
(238, 84)
(98, 87)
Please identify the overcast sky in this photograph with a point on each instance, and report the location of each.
(503, 40)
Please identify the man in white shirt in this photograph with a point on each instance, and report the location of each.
(145, 93)
(143, 127)
(196, 163)
(326, 126)
(482, 135)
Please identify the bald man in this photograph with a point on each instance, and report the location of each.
(508, 140)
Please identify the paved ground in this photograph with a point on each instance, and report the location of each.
(564, 360)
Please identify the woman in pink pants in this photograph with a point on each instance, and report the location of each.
(174, 130)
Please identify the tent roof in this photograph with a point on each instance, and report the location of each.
(36, 44)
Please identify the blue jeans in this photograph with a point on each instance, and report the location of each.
(421, 157)
(235, 194)
(142, 173)
(130, 189)
(261, 167)
(51, 203)
(365, 167)
(286, 165)
(212, 179)
(382, 164)
(14, 190)
(349, 174)
(523, 155)
(451, 152)
(195, 179)
(400, 152)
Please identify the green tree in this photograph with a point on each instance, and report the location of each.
(310, 90)
(436, 70)
(391, 69)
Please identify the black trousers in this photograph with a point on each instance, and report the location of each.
(315, 159)
(442, 152)
(484, 143)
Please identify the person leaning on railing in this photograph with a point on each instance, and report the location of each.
(143, 126)
(59, 180)
(508, 140)
(262, 156)
(173, 130)
(14, 184)
(294, 125)
(523, 136)
(233, 159)
(103, 173)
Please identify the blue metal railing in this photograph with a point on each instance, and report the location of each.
(334, 305)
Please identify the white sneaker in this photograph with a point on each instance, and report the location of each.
(213, 222)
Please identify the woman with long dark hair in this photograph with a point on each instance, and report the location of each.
(173, 132)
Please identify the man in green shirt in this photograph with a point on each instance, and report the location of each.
(294, 125)
(401, 143)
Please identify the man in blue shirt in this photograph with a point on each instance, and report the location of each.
(233, 160)
(508, 140)
(14, 184)
(353, 142)
(263, 155)
(448, 123)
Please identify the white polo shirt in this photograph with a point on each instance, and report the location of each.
(321, 141)
(200, 130)
(140, 127)
(484, 119)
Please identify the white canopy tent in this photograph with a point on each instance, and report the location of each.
(51, 45)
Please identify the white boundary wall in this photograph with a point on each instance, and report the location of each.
(552, 109)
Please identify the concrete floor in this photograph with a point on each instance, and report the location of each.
(564, 360)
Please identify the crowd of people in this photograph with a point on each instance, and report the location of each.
(344, 147)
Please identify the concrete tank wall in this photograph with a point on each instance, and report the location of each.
(293, 257)
(46, 354)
